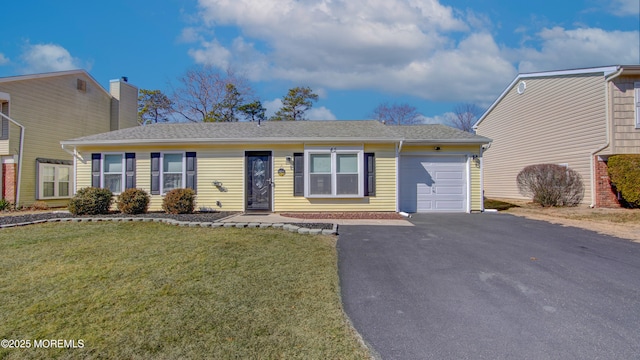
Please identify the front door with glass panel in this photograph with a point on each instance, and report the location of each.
(258, 180)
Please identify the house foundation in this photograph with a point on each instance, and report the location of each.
(9, 181)
(606, 195)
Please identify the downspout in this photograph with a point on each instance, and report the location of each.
(608, 136)
(73, 153)
(398, 149)
(20, 152)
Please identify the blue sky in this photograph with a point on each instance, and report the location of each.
(355, 54)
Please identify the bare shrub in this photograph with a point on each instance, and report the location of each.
(39, 205)
(551, 185)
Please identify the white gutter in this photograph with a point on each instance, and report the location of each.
(608, 134)
(398, 149)
(20, 152)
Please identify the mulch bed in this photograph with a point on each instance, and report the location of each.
(346, 215)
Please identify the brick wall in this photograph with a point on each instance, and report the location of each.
(9, 182)
(605, 195)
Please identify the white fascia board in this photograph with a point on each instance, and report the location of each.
(605, 70)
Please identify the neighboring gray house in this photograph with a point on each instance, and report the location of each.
(576, 118)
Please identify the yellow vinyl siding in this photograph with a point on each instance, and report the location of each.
(385, 199)
(558, 120)
(625, 135)
(476, 187)
(226, 164)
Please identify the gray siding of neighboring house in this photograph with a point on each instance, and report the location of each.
(558, 120)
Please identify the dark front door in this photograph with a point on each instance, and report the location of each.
(258, 179)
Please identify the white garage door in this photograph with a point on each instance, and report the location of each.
(433, 183)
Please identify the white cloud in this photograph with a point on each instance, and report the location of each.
(272, 106)
(625, 7)
(211, 53)
(321, 113)
(189, 35)
(416, 47)
(49, 57)
(565, 49)
(438, 119)
(3, 59)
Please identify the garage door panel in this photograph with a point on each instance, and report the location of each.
(449, 175)
(432, 183)
(450, 190)
(449, 205)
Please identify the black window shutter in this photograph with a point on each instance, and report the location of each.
(191, 170)
(298, 174)
(155, 173)
(370, 174)
(95, 170)
(130, 168)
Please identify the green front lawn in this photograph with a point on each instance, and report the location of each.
(149, 290)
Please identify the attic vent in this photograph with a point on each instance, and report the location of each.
(522, 87)
(82, 85)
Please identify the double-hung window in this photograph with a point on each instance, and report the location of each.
(172, 171)
(54, 179)
(334, 173)
(113, 172)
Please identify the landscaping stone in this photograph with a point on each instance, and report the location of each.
(303, 231)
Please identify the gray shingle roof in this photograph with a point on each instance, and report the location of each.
(436, 132)
(274, 131)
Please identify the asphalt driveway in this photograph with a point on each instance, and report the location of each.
(481, 286)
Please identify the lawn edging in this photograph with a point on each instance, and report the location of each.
(215, 224)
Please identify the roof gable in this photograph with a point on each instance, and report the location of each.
(77, 72)
(605, 71)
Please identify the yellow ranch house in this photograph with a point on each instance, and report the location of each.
(290, 166)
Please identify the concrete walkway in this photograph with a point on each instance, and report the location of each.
(273, 218)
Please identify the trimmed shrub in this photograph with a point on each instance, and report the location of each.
(91, 201)
(551, 185)
(179, 201)
(624, 172)
(133, 201)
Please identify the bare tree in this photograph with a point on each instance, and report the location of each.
(465, 116)
(204, 94)
(396, 114)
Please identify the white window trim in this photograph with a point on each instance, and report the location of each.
(122, 174)
(334, 151)
(184, 168)
(55, 183)
(636, 103)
